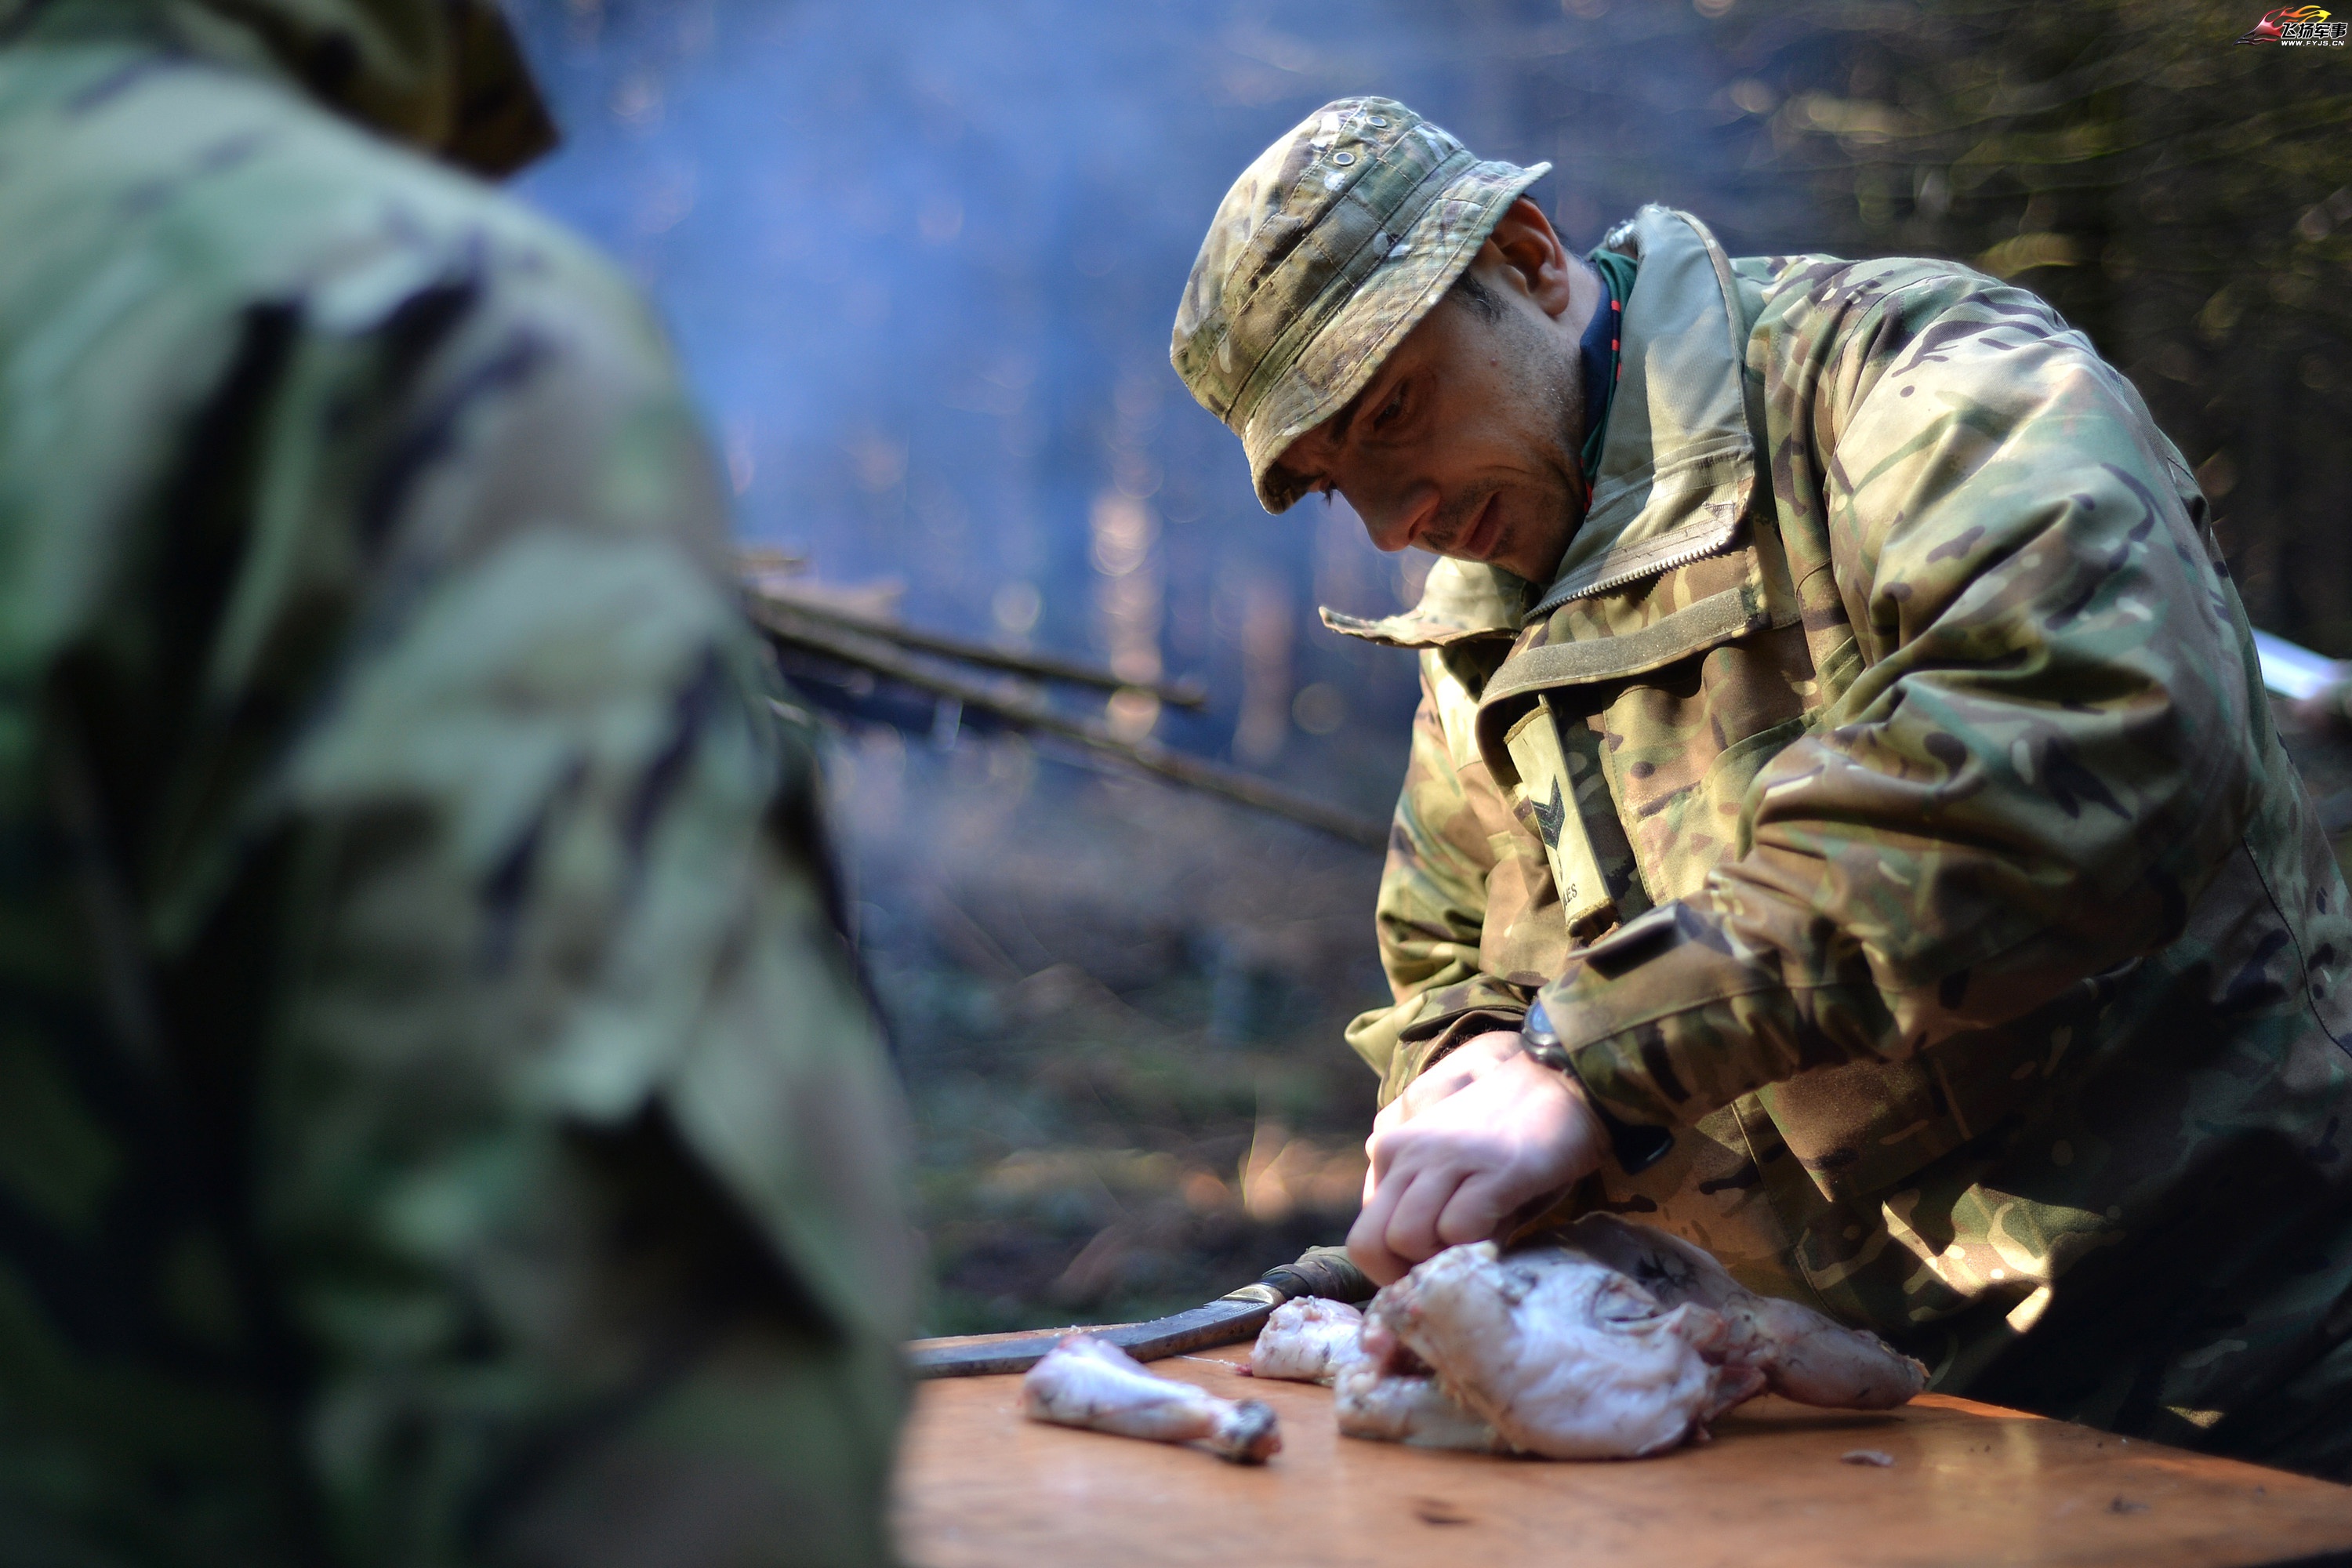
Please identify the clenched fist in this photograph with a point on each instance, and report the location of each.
(1452, 1165)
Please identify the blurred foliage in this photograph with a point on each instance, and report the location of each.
(2184, 200)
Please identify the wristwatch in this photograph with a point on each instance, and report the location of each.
(1636, 1148)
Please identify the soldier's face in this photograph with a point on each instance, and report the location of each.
(1466, 442)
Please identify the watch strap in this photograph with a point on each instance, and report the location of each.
(1636, 1148)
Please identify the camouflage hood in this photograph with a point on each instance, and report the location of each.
(443, 76)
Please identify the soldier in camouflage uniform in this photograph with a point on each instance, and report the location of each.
(1868, 778)
(440, 1120)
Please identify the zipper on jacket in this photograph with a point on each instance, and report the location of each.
(1697, 550)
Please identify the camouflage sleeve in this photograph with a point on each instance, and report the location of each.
(1445, 847)
(440, 1120)
(2045, 758)
(577, 1138)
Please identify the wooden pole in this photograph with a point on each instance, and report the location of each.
(831, 638)
(1042, 666)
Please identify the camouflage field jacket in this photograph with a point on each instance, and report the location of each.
(1883, 797)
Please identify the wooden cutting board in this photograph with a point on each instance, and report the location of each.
(1970, 1484)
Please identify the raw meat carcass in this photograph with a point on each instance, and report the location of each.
(1091, 1382)
(1798, 1352)
(1385, 1391)
(1562, 1356)
(1602, 1339)
(1381, 1390)
(1307, 1340)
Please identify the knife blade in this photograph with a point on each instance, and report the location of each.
(1230, 1319)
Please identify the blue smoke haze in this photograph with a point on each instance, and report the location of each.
(920, 261)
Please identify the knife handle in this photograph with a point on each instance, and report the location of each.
(1322, 1271)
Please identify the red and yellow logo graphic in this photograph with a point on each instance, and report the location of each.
(2294, 24)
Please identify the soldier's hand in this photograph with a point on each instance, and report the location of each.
(1464, 1065)
(1457, 1069)
(1458, 1169)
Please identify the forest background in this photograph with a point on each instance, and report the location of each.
(920, 262)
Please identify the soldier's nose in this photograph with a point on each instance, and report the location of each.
(1394, 519)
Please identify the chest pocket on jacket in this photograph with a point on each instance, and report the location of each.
(1687, 683)
(1681, 747)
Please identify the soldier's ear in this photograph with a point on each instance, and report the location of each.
(1534, 251)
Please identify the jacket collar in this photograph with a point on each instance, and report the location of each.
(1676, 466)
(1678, 463)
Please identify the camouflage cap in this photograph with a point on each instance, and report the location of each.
(1323, 255)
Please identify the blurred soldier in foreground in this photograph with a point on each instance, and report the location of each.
(440, 1116)
(1844, 823)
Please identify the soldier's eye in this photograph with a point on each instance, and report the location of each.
(1390, 411)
